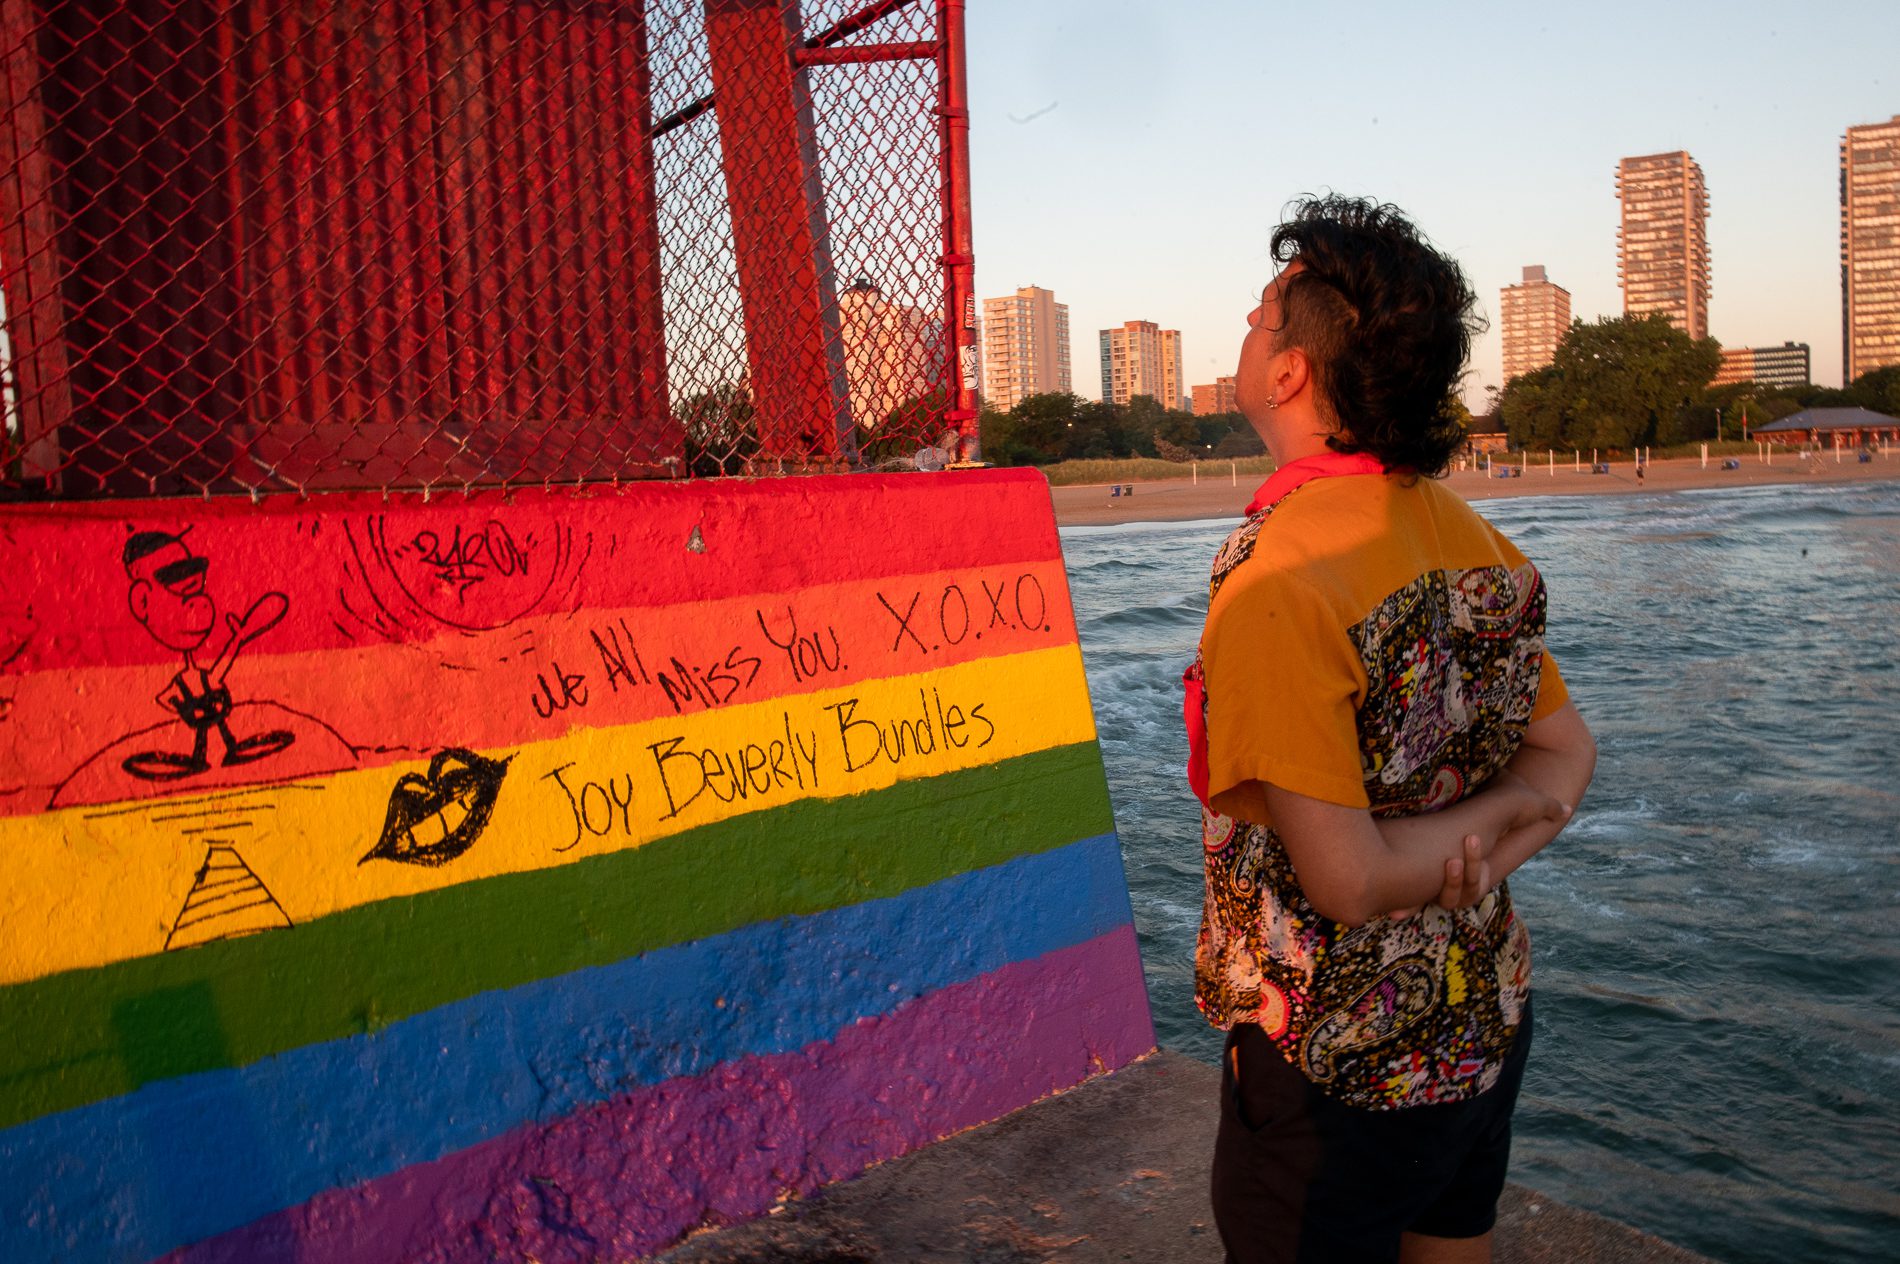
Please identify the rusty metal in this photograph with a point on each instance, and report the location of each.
(252, 246)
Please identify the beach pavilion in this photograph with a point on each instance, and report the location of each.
(1831, 427)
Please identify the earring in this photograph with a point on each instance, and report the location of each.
(1272, 403)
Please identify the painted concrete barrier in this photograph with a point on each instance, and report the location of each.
(534, 876)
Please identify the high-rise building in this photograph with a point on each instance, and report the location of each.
(1535, 315)
(1662, 247)
(892, 353)
(1215, 398)
(1786, 365)
(1141, 358)
(1025, 347)
(1173, 381)
(1870, 248)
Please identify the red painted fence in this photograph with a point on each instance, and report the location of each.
(256, 245)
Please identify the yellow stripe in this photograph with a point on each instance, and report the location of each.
(89, 886)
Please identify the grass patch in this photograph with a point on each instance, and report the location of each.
(1152, 470)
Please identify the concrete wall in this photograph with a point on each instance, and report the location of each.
(534, 876)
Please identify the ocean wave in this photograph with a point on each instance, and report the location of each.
(1162, 615)
(1610, 822)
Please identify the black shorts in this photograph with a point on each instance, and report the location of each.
(1301, 1177)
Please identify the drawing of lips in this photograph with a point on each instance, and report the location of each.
(436, 818)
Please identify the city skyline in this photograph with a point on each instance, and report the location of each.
(1499, 130)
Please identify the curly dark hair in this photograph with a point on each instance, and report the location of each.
(1386, 321)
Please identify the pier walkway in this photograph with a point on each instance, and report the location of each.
(1115, 1170)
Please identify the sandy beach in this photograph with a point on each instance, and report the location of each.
(1218, 496)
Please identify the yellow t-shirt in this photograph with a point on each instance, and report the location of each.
(1372, 642)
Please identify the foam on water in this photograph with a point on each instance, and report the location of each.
(1718, 978)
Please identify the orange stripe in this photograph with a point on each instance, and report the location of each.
(537, 680)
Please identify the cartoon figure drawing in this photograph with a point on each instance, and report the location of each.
(167, 595)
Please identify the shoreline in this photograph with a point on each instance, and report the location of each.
(1219, 495)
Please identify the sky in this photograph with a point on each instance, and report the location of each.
(1134, 157)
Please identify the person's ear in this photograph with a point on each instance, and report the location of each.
(1294, 373)
(140, 597)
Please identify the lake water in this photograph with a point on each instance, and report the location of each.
(1717, 963)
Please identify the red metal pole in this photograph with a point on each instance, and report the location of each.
(780, 236)
(959, 258)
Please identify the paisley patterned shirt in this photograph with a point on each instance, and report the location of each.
(1372, 642)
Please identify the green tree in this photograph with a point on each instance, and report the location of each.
(721, 429)
(1229, 436)
(1878, 390)
(1531, 408)
(1103, 429)
(1812, 396)
(1773, 408)
(1720, 411)
(1143, 418)
(1041, 424)
(1620, 382)
(912, 425)
(993, 429)
(1454, 407)
(1239, 442)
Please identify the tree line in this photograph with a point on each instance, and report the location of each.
(1636, 381)
(1059, 426)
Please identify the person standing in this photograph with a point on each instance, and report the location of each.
(1378, 738)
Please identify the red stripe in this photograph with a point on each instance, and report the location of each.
(360, 569)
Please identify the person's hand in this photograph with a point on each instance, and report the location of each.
(1467, 880)
(1467, 877)
(1508, 804)
(1521, 805)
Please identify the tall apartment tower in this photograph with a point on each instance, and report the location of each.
(1662, 247)
(1174, 392)
(893, 353)
(1535, 315)
(1025, 347)
(1141, 358)
(1870, 248)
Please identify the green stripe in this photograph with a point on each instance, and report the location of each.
(86, 1035)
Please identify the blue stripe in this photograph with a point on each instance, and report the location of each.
(181, 1160)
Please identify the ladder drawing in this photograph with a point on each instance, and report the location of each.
(227, 900)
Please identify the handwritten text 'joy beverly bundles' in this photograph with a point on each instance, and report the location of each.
(790, 760)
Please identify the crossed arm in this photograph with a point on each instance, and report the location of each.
(1354, 867)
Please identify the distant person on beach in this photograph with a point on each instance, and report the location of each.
(1378, 739)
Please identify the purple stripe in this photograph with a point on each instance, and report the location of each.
(635, 1173)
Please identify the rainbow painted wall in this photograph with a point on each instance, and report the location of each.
(539, 876)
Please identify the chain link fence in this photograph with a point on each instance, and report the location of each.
(265, 245)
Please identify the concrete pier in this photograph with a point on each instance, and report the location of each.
(1115, 1170)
